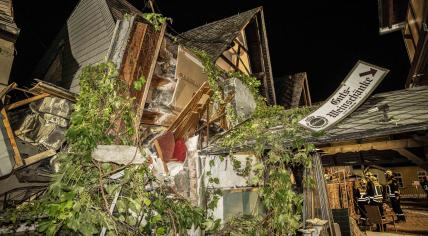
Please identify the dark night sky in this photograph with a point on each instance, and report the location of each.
(325, 40)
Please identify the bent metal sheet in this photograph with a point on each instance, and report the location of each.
(352, 92)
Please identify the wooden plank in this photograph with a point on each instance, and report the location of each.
(190, 105)
(7, 89)
(149, 76)
(44, 87)
(9, 131)
(161, 156)
(382, 145)
(307, 92)
(182, 130)
(39, 156)
(132, 53)
(26, 101)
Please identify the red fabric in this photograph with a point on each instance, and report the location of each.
(166, 145)
(180, 150)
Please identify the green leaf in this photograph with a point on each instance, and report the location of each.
(160, 231)
(139, 83)
(147, 201)
(88, 229)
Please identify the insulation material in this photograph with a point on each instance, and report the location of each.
(53, 105)
(190, 76)
(223, 170)
(47, 123)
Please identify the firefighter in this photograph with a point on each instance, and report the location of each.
(374, 192)
(394, 195)
(361, 198)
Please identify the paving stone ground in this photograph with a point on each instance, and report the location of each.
(416, 212)
(416, 222)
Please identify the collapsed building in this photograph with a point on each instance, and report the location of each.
(173, 107)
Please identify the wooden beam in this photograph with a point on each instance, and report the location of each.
(421, 162)
(26, 101)
(224, 58)
(7, 89)
(39, 156)
(238, 58)
(190, 106)
(306, 91)
(161, 156)
(241, 45)
(382, 145)
(10, 135)
(140, 110)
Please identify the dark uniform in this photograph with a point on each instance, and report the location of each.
(374, 192)
(393, 194)
(361, 199)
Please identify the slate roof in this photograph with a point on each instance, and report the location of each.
(7, 22)
(119, 8)
(215, 37)
(408, 110)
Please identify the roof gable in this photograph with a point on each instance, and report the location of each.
(119, 8)
(215, 37)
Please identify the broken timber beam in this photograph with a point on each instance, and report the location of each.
(7, 89)
(190, 106)
(10, 135)
(26, 101)
(39, 156)
(146, 88)
(381, 145)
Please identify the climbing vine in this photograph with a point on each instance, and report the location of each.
(274, 136)
(80, 197)
(156, 19)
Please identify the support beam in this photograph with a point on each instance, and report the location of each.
(26, 101)
(11, 136)
(421, 162)
(39, 156)
(382, 145)
(7, 89)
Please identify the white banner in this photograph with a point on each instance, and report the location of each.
(353, 91)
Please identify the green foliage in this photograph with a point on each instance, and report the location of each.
(157, 20)
(79, 197)
(139, 83)
(216, 79)
(277, 150)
